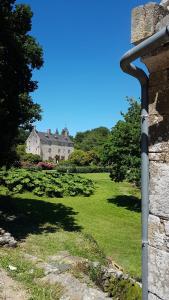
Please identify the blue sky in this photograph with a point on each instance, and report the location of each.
(81, 84)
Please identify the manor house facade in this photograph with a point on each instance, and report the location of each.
(50, 146)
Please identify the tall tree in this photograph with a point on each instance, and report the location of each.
(92, 139)
(20, 54)
(123, 148)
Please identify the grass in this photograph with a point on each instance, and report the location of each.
(104, 224)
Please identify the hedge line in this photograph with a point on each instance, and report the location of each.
(83, 169)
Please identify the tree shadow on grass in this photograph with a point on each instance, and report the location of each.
(22, 216)
(131, 203)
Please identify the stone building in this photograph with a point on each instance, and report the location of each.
(50, 146)
(147, 20)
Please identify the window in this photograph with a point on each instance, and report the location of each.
(68, 151)
(49, 150)
(58, 150)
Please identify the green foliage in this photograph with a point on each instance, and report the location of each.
(77, 157)
(89, 146)
(22, 136)
(20, 54)
(92, 158)
(20, 150)
(83, 169)
(51, 184)
(123, 289)
(122, 151)
(95, 274)
(28, 157)
(82, 158)
(91, 139)
(32, 158)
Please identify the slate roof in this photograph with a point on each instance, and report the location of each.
(54, 139)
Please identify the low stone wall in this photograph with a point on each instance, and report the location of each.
(107, 282)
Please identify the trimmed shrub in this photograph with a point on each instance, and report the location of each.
(83, 169)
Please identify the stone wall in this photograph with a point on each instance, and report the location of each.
(146, 20)
(62, 151)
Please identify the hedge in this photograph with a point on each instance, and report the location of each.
(84, 169)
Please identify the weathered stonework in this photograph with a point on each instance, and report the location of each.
(159, 233)
(162, 23)
(159, 189)
(157, 60)
(158, 273)
(165, 4)
(153, 297)
(147, 20)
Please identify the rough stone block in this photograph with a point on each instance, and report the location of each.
(159, 79)
(159, 206)
(157, 60)
(144, 20)
(158, 233)
(159, 189)
(159, 133)
(157, 156)
(162, 23)
(159, 100)
(165, 4)
(158, 273)
(153, 297)
(159, 147)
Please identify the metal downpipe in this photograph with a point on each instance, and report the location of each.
(142, 49)
(144, 187)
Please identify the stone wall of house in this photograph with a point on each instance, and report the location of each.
(33, 144)
(146, 20)
(51, 151)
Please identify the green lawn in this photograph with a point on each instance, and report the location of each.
(111, 216)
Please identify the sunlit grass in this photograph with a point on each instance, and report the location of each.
(111, 216)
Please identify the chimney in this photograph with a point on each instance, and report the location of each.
(65, 132)
(49, 131)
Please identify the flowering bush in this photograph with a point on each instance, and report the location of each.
(45, 165)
